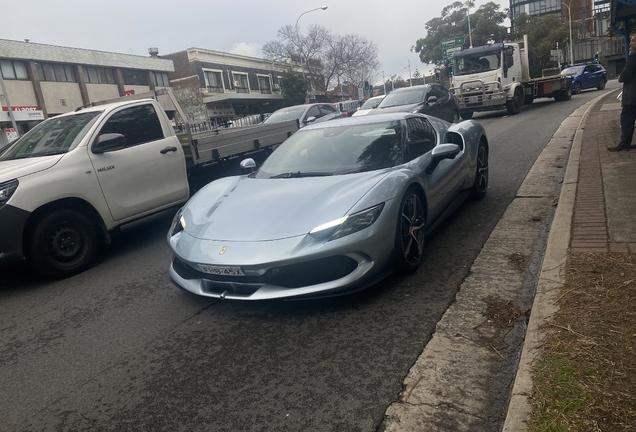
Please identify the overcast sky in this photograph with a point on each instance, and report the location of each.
(132, 26)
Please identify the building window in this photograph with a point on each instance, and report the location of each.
(161, 79)
(13, 70)
(97, 75)
(135, 77)
(264, 83)
(213, 81)
(55, 72)
(240, 83)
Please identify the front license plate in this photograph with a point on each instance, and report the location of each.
(221, 271)
(473, 99)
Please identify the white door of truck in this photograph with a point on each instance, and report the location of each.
(148, 173)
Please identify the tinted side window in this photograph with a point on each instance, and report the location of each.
(138, 124)
(313, 112)
(420, 138)
(327, 109)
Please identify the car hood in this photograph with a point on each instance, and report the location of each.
(248, 209)
(17, 168)
(397, 108)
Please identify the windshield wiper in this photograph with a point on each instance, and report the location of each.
(299, 174)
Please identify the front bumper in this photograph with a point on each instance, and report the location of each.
(296, 267)
(12, 223)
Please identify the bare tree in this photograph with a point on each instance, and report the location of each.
(328, 58)
(188, 93)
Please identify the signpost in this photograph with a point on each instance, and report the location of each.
(450, 46)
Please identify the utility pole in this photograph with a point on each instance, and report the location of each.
(410, 79)
(384, 83)
(6, 98)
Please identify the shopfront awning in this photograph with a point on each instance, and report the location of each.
(243, 97)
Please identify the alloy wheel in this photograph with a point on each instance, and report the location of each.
(412, 222)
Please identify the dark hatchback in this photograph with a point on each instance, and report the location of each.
(430, 99)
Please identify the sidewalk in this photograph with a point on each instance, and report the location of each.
(596, 214)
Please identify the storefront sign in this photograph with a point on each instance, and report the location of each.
(220, 110)
(21, 108)
(129, 92)
(11, 134)
(24, 115)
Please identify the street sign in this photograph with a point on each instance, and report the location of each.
(450, 46)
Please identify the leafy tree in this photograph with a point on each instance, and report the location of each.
(453, 22)
(329, 58)
(293, 88)
(544, 31)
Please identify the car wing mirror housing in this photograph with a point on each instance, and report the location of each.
(109, 142)
(431, 100)
(248, 166)
(441, 152)
(310, 119)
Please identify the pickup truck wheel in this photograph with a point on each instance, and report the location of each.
(467, 115)
(577, 88)
(480, 185)
(62, 243)
(601, 85)
(514, 106)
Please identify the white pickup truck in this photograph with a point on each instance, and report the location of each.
(72, 180)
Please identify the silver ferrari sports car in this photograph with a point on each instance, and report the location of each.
(335, 208)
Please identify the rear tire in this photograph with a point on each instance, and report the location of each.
(467, 115)
(514, 106)
(409, 233)
(601, 85)
(564, 95)
(62, 243)
(480, 185)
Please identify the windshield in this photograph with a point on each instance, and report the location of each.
(286, 114)
(336, 150)
(403, 97)
(476, 63)
(577, 70)
(54, 136)
(370, 104)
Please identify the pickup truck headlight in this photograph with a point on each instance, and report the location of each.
(7, 189)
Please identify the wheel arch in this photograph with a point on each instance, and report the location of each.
(77, 204)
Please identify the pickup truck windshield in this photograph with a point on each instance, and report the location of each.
(54, 136)
(476, 63)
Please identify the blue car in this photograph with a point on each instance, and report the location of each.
(586, 76)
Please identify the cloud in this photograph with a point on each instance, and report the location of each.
(246, 48)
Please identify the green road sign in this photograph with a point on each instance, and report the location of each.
(450, 46)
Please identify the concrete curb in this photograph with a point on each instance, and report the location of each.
(551, 278)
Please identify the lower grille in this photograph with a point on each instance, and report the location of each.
(290, 276)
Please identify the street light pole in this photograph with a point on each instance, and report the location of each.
(470, 35)
(384, 83)
(302, 67)
(319, 8)
(410, 79)
(570, 21)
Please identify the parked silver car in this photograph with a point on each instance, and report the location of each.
(305, 114)
(336, 207)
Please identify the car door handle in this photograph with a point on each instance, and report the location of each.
(168, 150)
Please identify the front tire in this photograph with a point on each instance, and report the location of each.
(514, 106)
(601, 85)
(480, 185)
(577, 88)
(62, 243)
(409, 234)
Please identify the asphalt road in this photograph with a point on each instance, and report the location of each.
(119, 348)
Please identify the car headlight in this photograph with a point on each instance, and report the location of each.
(7, 189)
(348, 224)
(178, 223)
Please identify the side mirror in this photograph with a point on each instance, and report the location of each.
(248, 166)
(431, 100)
(310, 119)
(441, 152)
(109, 142)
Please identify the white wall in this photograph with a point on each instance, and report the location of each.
(61, 97)
(100, 92)
(21, 93)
